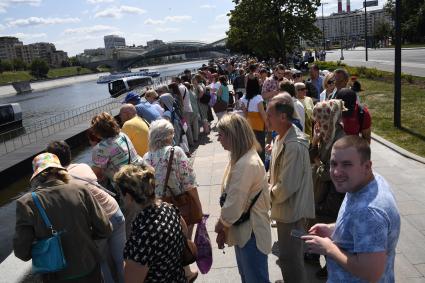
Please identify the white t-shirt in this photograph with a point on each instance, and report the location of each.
(299, 107)
(187, 106)
(253, 103)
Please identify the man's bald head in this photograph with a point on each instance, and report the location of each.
(127, 112)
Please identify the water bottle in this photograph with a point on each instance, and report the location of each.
(322, 96)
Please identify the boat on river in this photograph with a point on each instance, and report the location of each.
(120, 75)
(123, 85)
(10, 117)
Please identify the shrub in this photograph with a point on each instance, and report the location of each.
(39, 68)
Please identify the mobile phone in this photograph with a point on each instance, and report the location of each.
(297, 233)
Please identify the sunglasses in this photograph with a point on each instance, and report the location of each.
(330, 82)
(302, 88)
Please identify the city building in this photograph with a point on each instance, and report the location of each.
(349, 27)
(154, 44)
(113, 42)
(95, 52)
(11, 48)
(7, 47)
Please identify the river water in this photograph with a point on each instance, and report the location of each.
(43, 104)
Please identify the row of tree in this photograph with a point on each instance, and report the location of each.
(38, 67)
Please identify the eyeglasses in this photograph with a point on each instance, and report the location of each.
(302, 88)
(330, 82)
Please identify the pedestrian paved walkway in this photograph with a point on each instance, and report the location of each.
(406, 176)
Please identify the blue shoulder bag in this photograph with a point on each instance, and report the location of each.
(47, 254)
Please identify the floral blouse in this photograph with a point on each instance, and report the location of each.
(182, 176)
(112, 153)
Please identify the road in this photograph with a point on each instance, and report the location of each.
(412, 59)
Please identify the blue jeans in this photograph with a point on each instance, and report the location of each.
(115, 250)
(252, 263)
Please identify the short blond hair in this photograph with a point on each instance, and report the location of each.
(138, 181)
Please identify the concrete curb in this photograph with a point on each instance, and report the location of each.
(398, 149)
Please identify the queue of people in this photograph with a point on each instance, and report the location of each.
(319, 190)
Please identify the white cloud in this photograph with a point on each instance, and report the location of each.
(21, 35)
(35, 21)
(118, 12)
(177, 19)
(99, 1)
(3, 7)
(4, 4)
(167, 29)
(30, 2)
(90, 30)
(173, 19)
(207, 6)
(2, 27)
(219, 27)
(221, 17)
(153, 22)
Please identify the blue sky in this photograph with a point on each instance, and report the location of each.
(75, 25)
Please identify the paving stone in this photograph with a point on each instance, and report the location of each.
(417, 220)
(421, 268)
(410, 243)
(410, 207)
(404, 269)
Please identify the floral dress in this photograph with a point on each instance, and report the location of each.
(182, 177)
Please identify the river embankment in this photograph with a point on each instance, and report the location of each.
(53, 83)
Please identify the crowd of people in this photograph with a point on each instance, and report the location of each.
(299, 161)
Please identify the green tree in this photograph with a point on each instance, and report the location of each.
(383, 30)
(271, 28)
(6, 65)
(19, 65)
(74, 61)
(412, 19)
(39, 68)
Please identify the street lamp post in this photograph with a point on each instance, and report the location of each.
(365, 28)
(341, 42)
(397, 66)
(323, 27)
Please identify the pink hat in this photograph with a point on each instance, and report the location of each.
(43, 161)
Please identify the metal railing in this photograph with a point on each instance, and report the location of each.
(29, 134)
(13, 140)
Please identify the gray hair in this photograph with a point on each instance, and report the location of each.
(159, 134)
(162, 89)
(285, 98)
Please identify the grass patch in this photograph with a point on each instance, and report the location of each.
(68, 71)
(379, 98)
(9, 77)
